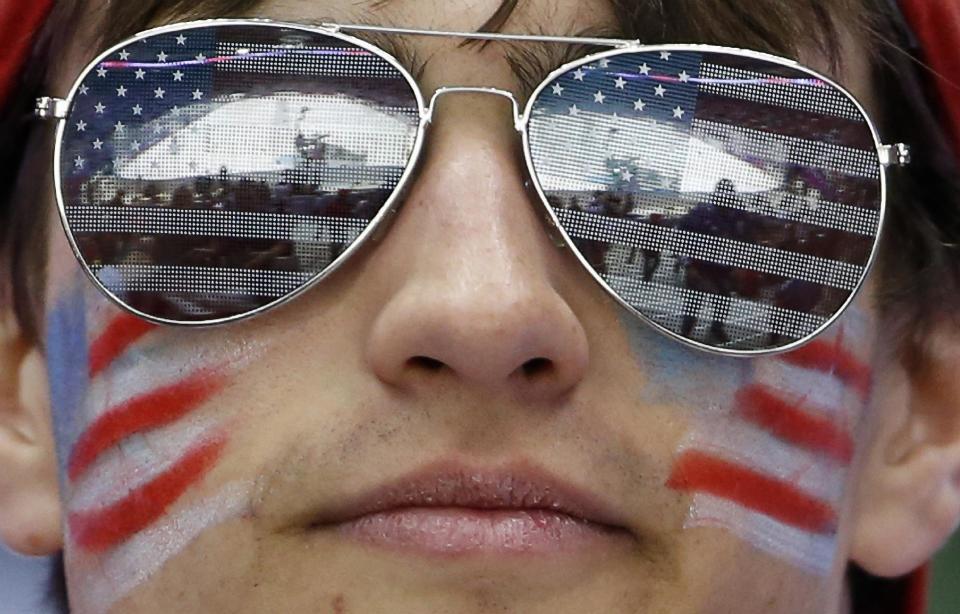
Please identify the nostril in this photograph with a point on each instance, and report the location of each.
(426, 363)
(537, 366)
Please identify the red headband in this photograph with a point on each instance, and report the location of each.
(937, 27)
(19, 23)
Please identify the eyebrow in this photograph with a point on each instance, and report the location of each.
(532, 63)
(397, 46)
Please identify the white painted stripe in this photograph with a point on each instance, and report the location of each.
(308, 61)
(809, 388)
(816, 474)
(160, 362)
(811, 552)
(134, 462)
(135, 561)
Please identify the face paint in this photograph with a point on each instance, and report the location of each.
(772, 439)
(771, 467)
(113, 576)
(158, 407)
(122, 332)
(135, 438)
(101, 529)
(669, 367)
(67, 363)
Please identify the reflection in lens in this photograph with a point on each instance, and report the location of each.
(731, 200)
(209, 172)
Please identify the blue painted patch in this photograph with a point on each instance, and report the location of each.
(68, 366)
(682, 376)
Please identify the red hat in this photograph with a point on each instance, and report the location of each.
(936, 24)
(19, 23)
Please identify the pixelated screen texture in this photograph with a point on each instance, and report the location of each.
(733, 201)
(210, 172)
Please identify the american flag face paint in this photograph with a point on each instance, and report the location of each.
(109, 578)
(136, 439)
(772, 440)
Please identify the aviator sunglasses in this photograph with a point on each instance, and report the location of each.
(206, 172)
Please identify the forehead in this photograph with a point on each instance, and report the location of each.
(771, 29)
(460, 15)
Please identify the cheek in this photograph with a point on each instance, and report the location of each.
(138, 437)
(772, 440)
(679, 376)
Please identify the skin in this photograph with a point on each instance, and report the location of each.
(467, 276)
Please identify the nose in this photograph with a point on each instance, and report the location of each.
(472, 272)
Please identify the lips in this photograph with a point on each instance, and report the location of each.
(454, 509)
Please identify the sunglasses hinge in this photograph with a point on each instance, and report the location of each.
(897, 154)
(48, 107)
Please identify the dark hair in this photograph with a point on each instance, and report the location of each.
(918, 265)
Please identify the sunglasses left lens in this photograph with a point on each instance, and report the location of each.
(207, 173)
(733, 201)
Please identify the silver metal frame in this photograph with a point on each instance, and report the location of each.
(885, 157)
(371, 230)
(888, 155)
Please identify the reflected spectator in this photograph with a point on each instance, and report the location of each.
(342, 205)
(704, 277)
(615, 205)
(800, 298)
(204, 191)
(118, 199)
(651, 257)
(182, 198)
(151, 194)
(555, 202)
(262, 196)
(368, 208)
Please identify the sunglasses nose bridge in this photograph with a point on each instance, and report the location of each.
(475, 90)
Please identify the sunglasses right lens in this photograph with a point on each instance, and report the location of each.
(209, 172)
(732, 201)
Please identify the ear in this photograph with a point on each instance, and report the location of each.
(909, 497)
(29, 498)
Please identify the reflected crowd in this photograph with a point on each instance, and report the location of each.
(307, 247)
(759, 220)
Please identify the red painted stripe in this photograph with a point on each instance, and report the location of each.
(122, 332)
(833, 358)
(99, 530)
(157, 408)
(810, 429)
(697, 471)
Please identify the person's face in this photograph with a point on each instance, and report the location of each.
(464, 359)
